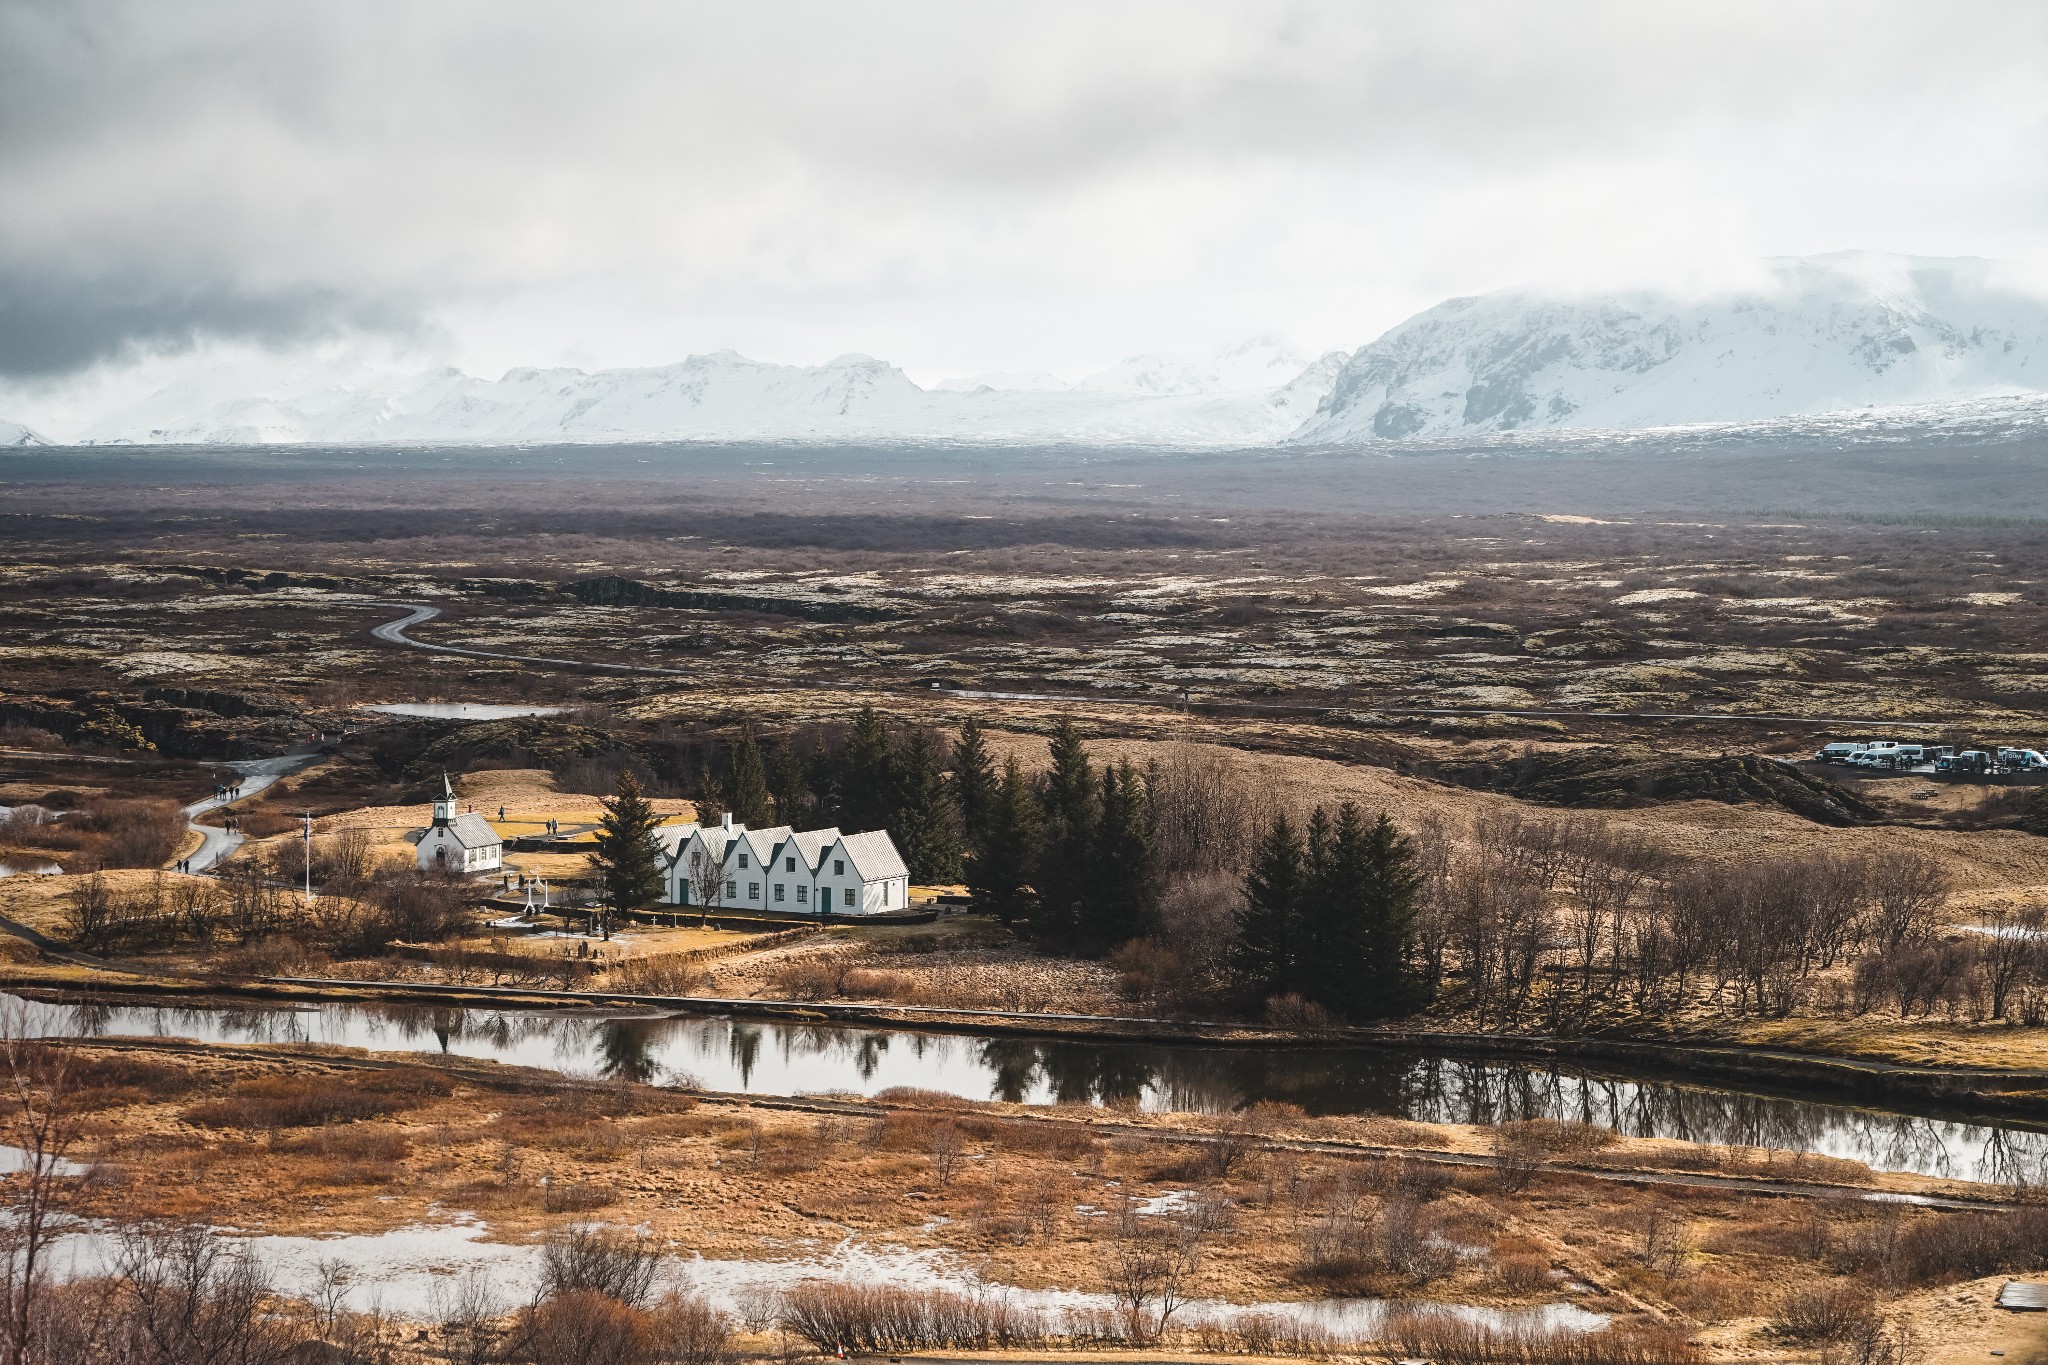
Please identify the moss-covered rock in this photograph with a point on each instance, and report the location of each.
(542, 741)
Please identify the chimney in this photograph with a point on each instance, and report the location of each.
(728, 820)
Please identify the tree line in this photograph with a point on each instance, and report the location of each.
(1176, 871)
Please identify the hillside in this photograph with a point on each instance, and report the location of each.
(1847, 331)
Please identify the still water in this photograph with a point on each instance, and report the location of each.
(461, 710)
(771, 1058)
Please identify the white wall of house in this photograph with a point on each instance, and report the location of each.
(781, 878)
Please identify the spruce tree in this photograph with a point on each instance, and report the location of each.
(746, 785)
(1357, 925)
(999, 875)
(1117, 904)
(1066, 861)
(790, 788)
(1264, 954)
(926, 828)
(974, 778)
(867, 775)
(628, 860)
(1388, 896)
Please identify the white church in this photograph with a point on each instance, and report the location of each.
(817, 872)
(457, 843)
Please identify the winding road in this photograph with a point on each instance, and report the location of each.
(416, 613)
(257, 774)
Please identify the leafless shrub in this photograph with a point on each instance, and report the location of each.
(601, 1261)
(880, 1319)
(1824, 1312)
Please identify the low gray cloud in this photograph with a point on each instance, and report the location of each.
(980, 186)
(50, 325)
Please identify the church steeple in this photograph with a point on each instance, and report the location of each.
(444, 805)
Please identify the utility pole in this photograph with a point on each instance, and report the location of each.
(308, 841)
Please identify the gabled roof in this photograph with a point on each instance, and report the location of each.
(874, 855)
(672, 838)
(808, 846)
(761, 842)
(473, 831)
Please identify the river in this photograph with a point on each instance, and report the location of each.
(774, 1058)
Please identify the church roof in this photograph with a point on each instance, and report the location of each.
(473, 831)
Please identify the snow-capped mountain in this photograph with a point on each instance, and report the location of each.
(1851, 330)
(15, 434)
(726, 396)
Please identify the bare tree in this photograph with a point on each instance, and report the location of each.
(1152, 1263)
(947, 1147)
(2012, 953)
(707, 880)
(90, 915)
(1911, 889)
(37, 1121)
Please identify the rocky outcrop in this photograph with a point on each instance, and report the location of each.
(1634, 775)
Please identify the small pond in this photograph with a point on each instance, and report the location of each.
(37, 867)
(462, 710)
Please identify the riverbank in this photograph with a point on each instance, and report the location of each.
(2008, 1095)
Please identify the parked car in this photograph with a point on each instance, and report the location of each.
(1968, 761)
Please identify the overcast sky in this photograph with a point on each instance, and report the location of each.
(955, 186)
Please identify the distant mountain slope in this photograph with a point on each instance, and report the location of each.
(15, 434)
(725, 396)
(1830, 333)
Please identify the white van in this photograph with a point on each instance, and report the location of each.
(1839, 752)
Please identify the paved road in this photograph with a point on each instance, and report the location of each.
(216, 844)
(394, 632)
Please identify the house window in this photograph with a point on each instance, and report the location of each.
(732, 890)
(800, 894)
(753, 891)
(789, 864)
(743, 862)
(839, 867)
(778, 890)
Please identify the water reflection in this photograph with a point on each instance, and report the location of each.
(789, 1059)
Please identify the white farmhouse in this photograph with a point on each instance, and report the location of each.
(457, 843)
(816, 872)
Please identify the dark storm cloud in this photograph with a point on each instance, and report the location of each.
(50, 325)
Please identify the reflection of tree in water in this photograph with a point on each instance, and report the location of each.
(1212, 1080)
(625, 1049)
(744, 1048)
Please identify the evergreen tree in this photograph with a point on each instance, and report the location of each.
(867, 775)
(999, 875)
(1117, 904)
(1072, 800)
(926, 828)
(746, 785)
(627, 857)
(1331, 938)
(790, 788)
(1264, 954)
(1357, 922)
(1388, 898)
(974, 779)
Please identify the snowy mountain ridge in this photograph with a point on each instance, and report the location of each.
(1848, 331)
(725, 396)
(1848, 337)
